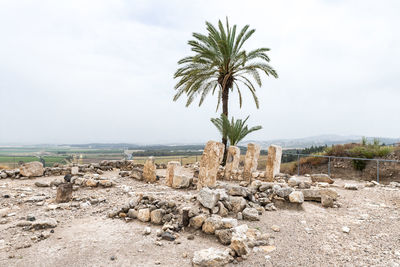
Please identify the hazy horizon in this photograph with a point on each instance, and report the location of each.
(102, 72)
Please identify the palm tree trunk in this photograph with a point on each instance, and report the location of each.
(225, 97)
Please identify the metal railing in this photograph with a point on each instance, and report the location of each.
(378, 161)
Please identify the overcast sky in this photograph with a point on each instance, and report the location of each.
(102, 71)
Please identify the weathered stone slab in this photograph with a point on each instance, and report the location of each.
(209, 164)
(64, 193)
(149, 171)
(31, 169)
(273, 162)
(251, 161)
(171, 171)
(232, 162)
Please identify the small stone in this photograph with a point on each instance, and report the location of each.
(190, 237)
(167, 236)
(43, 224)
(351, 187)
(42, 184)
(147, 231)
(112, 258)
(275, 228)
(345, 229)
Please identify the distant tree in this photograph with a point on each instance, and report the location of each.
(220, 64)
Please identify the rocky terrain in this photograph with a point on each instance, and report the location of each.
(121, 214)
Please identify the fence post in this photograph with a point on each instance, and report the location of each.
(329, 166)
(377, 171)
(181, 161)
(298, 164)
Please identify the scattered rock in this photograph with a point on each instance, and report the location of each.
(207, 197)
(211, 257)
(64, 193)
(296, 197)
(197, 221)
(321, 178)
(167, 236)
(351, 187)
(43, 224)
(211, 224)
(42, 184)
(275, 228)
(144, 215)
(250, 214)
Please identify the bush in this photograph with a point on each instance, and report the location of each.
(359, 165)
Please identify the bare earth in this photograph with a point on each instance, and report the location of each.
(85, 236)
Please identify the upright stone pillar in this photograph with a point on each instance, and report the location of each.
(251, 161)
(171, 170)
(149, 171)
(273, 162)
(209, 164)
(232, 162)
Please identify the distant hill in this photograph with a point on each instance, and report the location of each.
(319, 140)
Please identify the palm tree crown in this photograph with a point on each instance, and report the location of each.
(233, 130)
(220, 62)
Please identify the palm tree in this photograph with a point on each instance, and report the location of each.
(220, 64)
(233, 131)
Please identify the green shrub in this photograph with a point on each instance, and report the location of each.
(359, 165)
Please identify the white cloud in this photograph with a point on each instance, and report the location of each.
(101, 71)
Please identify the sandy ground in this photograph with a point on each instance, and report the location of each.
(84, 236)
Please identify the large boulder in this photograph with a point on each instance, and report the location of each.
(211, 257)
(31, 169)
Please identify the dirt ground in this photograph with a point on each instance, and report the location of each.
(85, 236)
